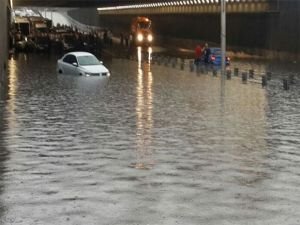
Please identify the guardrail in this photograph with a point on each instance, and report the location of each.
(266, 79)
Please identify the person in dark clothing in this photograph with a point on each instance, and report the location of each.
(206, 53)
(121, 39)
(105, 37)
(126, 40)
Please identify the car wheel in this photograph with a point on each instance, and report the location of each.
(60, 71)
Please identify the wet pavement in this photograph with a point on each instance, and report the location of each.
(149, 145)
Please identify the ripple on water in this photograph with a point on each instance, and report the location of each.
(149, 145)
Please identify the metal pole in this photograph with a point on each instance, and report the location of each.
(223, 36)
(12, 5)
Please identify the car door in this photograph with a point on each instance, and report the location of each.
(73, 68)
(68, 66)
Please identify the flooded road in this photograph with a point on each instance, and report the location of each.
(149, 145)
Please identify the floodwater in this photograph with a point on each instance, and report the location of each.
(149, 145)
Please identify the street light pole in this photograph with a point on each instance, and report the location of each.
(223, 36)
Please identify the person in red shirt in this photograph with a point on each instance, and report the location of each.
(198, 54)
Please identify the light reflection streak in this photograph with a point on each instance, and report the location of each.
(12, 90)
(144, 107)
(13, 79)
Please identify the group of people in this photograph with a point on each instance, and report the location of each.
(202, 54)
(60, 39)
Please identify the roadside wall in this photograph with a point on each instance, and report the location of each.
(4, 15)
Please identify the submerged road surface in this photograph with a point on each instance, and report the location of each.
(149, 145)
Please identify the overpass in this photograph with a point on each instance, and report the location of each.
(157, 6)
(192, 6)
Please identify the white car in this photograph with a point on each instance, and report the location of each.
(81, 63)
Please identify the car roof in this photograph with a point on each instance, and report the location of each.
(79, 53)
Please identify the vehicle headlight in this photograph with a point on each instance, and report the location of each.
(150, 37)
(140, 37)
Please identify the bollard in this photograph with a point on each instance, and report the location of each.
(228, 74)
(269, 75)
(182, 64)
(174, 61)
(251, 74)
(286, 85)
(215, 72)
(191, 66)
(264, 81)
(244, 77)
(236, 72)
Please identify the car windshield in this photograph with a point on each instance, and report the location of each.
(144, 25)
(88, 60)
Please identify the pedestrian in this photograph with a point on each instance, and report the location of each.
(126, 40)
(206, 53)
(121, 39)
(198, 54)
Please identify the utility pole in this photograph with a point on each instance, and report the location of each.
(223, 37)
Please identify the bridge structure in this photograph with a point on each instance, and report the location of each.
(158, 6)
(192, 7)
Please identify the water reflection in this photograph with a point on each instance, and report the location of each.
(144, 104)
(13, 78)
(85, 85)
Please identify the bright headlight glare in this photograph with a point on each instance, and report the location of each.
(150, 37)
(140, 37)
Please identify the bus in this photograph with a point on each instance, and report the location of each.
(141, 31)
